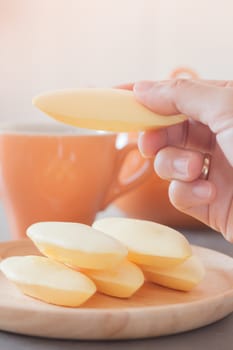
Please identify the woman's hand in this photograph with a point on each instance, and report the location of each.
(179, 150)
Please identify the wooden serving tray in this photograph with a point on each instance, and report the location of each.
(152, 311)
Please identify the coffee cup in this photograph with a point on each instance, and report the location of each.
(52, 172)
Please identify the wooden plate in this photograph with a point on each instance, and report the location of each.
(152, 311)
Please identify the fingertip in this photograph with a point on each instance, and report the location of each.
(141, 144)
(140, 88)
(127, 86)
(159, 166)
(150, 142)
(184, 196)
(173, 163)
(155, 95)
(142, 92)
(204, 190)
(145, 145)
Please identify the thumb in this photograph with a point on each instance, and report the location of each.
(207, 103)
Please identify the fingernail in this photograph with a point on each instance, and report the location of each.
(202, 190)
(180, 165)
(140, 143)
(140, 146)
(142, 86)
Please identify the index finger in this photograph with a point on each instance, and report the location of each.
(207, 103)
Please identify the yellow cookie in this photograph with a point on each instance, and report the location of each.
(183, 277)
(121, 282)
(148, 243)
(77, 245)
(47, 280)
(102, 109)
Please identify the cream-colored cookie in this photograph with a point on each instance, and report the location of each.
(102, 109)
(47, 280)
(148, 243)
(183, 277)
(77, 245)
(121, 282)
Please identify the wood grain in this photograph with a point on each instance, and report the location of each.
(152, 311)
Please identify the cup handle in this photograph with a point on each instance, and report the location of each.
(183, 72)
(117, 188)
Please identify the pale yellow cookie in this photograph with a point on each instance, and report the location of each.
(183, 277)
(148, 243)
(47, 280)
(121, 282)
(77, 245)
(102, 109)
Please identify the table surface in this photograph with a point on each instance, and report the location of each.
(216, 336)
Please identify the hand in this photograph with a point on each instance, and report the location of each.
(179, 150)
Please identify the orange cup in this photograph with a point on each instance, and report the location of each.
(60, 173)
